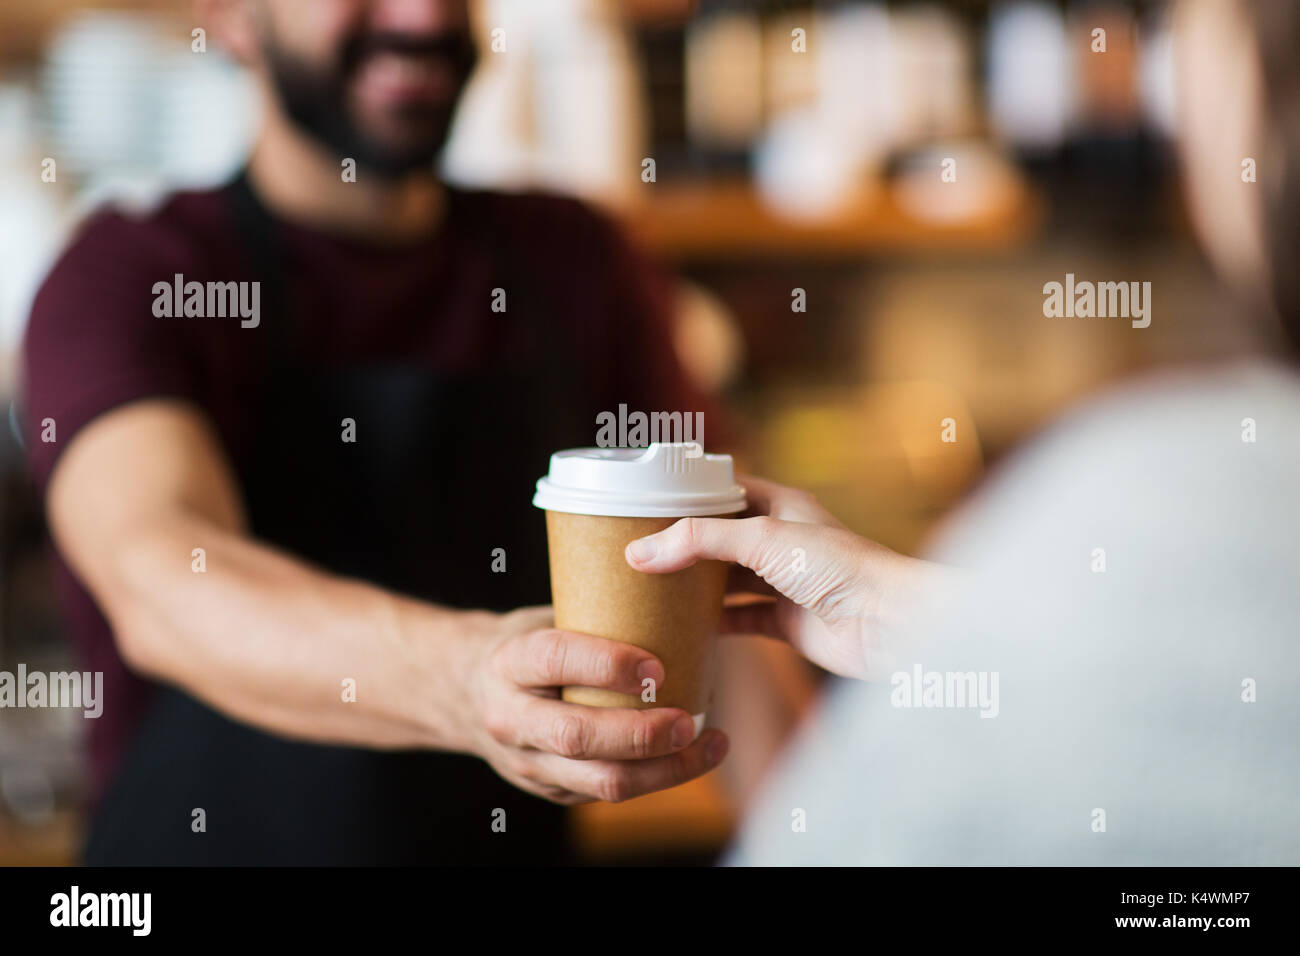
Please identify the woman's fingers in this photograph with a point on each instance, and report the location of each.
(693, 539)
(758, 494)
(751, 616)
(778, 551)
(741, 580)
(814, 566)
(780, 501)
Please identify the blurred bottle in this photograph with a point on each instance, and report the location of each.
(934, 74)
(133, 110)
(790, 52)
(1156, 73)
(1103, 37)
(102, 88)
(1119, 175)
(208, 113)
(559, 104)
(724, 77)
(591, 118)
(1030, 72)
(833, 112)
(857, 86)
(33, 208)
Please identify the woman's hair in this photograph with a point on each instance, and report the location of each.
(1277, 31)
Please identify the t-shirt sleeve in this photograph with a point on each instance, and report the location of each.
(92, 341)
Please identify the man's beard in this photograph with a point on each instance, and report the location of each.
(315, 99)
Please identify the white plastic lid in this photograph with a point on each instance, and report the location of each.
(665, 480)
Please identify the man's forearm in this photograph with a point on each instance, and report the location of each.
(272, 641)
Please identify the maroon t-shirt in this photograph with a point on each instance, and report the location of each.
(94, 342)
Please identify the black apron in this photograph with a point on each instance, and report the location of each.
(441, 474)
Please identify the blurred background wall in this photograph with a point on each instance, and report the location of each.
(798, 151)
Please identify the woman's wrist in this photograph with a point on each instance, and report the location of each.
(903, 586)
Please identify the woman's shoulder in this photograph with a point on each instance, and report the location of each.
(1194, 443)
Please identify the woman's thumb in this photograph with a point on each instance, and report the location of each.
(695, 539)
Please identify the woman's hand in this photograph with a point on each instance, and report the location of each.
(835, 593)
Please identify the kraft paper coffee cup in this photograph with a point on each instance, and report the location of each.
(599, 499)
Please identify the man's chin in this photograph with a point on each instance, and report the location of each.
(393, 159)
(388, 165)
(395, 148)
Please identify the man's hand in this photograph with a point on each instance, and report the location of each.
(515, 665)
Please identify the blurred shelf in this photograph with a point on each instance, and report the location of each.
(727, 220)
(56, 843)
(658, 13)
(26, 27)
(693, 819)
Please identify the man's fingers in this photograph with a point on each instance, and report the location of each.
(608, 733)
(555, 658)
(616, 781)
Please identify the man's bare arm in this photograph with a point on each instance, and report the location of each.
(268, 639)
(259, 635)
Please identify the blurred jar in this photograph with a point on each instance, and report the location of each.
(1030, 76)
(823, 149)
(857, 83)
(724, 76)
(1106, 78)
(102, 86)
(556, 102)
(33, 219)
(935, 74)
(791, 45)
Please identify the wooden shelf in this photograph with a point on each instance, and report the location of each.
(692, 818)
(57, 843)
(26, 27)
(727, 220)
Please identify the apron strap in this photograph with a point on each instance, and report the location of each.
(257, 233)
(553, 346)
